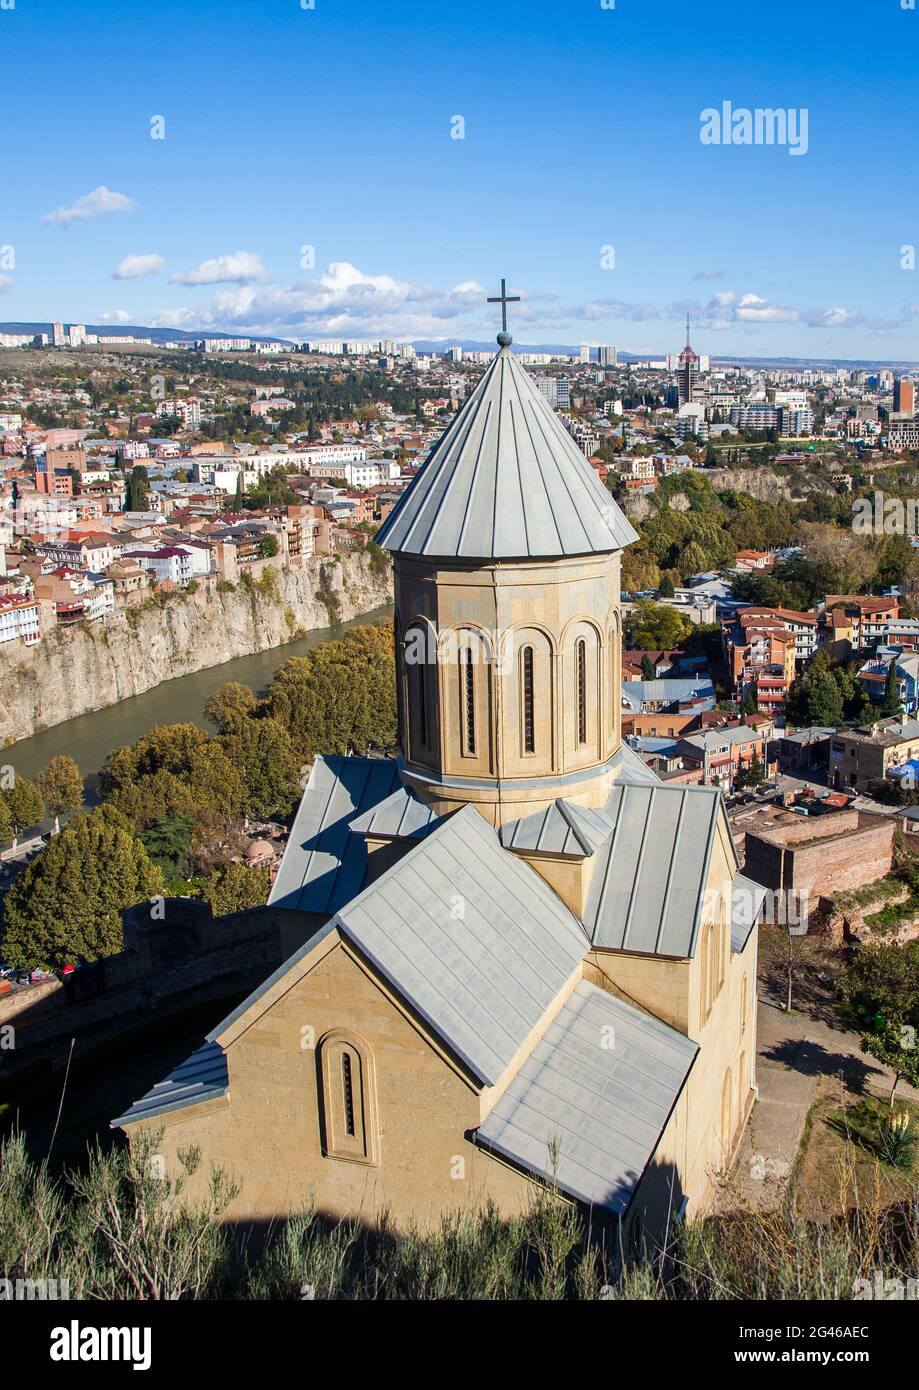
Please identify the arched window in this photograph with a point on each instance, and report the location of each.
(467, 686)
(705, 976)
(422, 695)
(348, 1108)
(727, 1114)
(415, 657)
(581, 661)
(529, 728)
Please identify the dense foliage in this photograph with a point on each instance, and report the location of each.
(69, 901)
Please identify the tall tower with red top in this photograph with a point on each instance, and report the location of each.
(688, 370)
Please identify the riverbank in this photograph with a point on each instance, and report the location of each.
(95, 667)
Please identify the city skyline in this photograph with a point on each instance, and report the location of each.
(284, 207)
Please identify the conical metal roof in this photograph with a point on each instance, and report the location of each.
(506, 481)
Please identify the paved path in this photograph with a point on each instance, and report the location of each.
(793, 1052)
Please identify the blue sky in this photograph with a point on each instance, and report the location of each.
(331, 129)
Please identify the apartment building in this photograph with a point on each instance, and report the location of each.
(20, 618)
(868, 754)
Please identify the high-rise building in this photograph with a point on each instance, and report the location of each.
(606, 356)
(58, 336)
(688, 370)
(584, 353)
(555, 389)
(904, 396)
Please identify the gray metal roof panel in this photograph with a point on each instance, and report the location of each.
(399, 816)
(324, 865)
(202, 1076)
(632, 770)
(588, 1106)
(562, 828)
(647, 888)
(747, 900)
(505, 481)
(669, 689)
(472, 938)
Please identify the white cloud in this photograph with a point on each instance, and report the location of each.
(237, 268)
(346, 302)
(708, 274)
(102, 200)
(833, 318)
(753, 308)
(134, 266)
(6, 282)
(115, 316)
(342, 301)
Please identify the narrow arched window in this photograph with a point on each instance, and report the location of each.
(422, 707)
(581, 656)
(529, 730)
(347, 1086)
(468, 689)
(348, 1111)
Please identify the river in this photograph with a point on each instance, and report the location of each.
(91, 737)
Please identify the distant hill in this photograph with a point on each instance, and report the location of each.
(134, 330)
(180, 335)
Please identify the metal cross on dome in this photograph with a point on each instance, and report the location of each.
(504, 299)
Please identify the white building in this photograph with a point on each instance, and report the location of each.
(20, 617)
(168, 565)
(369, 473)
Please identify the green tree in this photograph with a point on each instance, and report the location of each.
(269, 546)
(340, 696)
(167, 841)
(61, 787)
(655, 626)
(893, 1044)
(69, 901)
(136, 500)
(6, 820)
(191, 770)
(263, 751)
(748, 704)
(891, 703)
(236, 888)
(817, 699)
(24, 804)
(647, 668)
(230, 704)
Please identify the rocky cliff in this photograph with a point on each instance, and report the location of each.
(78, 669)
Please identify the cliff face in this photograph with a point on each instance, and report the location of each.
(88, 667)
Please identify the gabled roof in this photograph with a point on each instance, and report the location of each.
(562, 828)
(747, 900)
(475, 942)
(589, 1116)
(506, 481)
(324, 865)
(646, 892)
(399, 816)
(202, 1076)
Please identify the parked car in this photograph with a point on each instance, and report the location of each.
(66, 970)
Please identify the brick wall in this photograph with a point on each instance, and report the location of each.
(822, 856)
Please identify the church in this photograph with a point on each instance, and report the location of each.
(525, 958)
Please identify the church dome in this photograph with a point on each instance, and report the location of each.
(506, 482)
